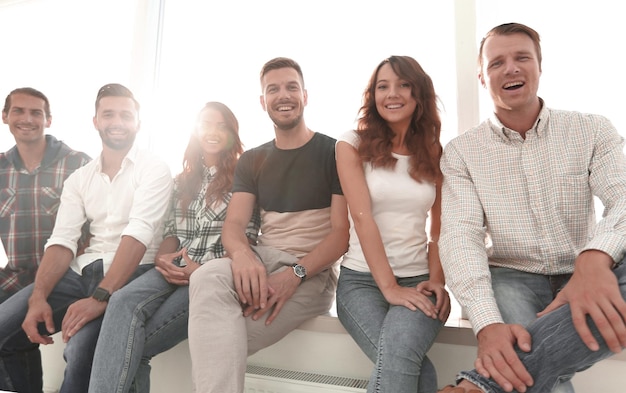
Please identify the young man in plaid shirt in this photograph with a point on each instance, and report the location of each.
(31, 177)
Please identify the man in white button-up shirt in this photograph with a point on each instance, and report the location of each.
(123, 195)
(519, 236)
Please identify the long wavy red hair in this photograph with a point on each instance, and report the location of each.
(422, 138)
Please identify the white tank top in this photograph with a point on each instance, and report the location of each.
(400, 207)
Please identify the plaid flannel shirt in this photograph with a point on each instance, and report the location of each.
(28, 205)
(199, 229)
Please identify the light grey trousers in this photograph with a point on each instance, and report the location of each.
(221, 338)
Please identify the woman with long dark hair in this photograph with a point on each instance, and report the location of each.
(391, 296)
(149, 316)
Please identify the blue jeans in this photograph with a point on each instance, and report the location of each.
(520, 296)
(143, 319)
(78, 353)
(26, 362)
(557, 350)
(395, 338)
(4, 296)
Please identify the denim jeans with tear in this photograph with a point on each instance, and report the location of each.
(395, 338)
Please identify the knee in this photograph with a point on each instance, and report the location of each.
(116, 302)
(78, 356)
(401, 344)
(122, 309)
(18, 343)
(210, 279)
(215, 271)
(411, 340)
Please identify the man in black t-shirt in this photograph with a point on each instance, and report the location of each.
(241, 304)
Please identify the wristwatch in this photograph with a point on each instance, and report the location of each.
(101, 295)
(300, 271)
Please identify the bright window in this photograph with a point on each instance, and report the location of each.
(215, 51)
(67, 49)
(583, 47)
(178, 54)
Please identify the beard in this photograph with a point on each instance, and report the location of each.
(286, 124)
(118, 144)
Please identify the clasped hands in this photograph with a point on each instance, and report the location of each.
(259, 292)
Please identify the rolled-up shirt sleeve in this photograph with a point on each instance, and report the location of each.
(71, 215)
(150, 201)
(131, 203)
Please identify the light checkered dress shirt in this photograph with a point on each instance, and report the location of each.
(527, 204)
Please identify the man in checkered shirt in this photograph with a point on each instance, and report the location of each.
(519, 237)
(31, 178)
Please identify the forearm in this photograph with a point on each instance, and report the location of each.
(434, 264)
(374, 252)
(594, 257)
(326, 253)
(168, 245)
(125, 262)
(240, 211)
(54, 264)
(435, 269)
(234, 239)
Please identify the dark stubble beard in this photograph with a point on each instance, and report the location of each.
(286, 125)
(122, 145)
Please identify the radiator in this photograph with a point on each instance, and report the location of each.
(271, 380)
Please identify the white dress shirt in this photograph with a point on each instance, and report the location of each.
(133, 203)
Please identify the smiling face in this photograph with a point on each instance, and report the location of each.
(394, 99)
(284, 97)
(510, 72)
(213, 135)
(26, 118)
(117, 121)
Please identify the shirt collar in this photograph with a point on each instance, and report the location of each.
(53, 146)
(131, 156)
(14, 157)
(540, 126)
(209, 171)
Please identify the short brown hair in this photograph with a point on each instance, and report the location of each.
(281, 62)
(115, 90)
(508, 29)
(31, 92)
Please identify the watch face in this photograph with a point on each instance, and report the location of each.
(299, 270)
(101, 294)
